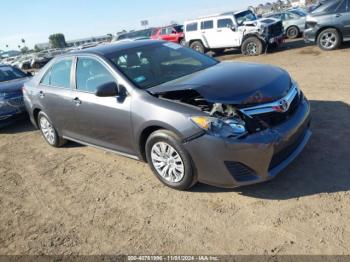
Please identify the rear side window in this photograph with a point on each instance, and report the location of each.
(222, 23)
(91, 74)
(59, 74)
(192, 27)
(207, 24)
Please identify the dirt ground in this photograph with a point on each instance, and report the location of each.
(80, 200)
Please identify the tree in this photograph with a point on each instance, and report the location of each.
(23, 41)
(57, 41)
(37, 48)
(24, 50)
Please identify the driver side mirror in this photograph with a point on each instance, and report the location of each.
(109, 89)
(233, 28)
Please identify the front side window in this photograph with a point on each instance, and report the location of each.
(59, 74)
(207, 24)
(223, 23)
(91, 74)
(157, 63)
(8, 73)
(192, 27)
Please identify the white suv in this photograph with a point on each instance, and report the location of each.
(233, 30)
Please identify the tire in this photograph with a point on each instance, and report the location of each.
(252, 46)
(329, 39)
(198, 46)
(182, 42)
(176, 163)
(48, 131)
(293, 32)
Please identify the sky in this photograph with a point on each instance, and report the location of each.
(35, 20)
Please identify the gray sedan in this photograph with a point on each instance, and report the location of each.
(293, 22)
(192, 118)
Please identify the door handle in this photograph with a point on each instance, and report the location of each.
(77, 101)
(219, 31)
(338, 15)
(41, 94)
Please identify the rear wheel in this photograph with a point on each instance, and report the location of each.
(293, 32)
(49, 132)
(198, 46)
(329, 39)
(252, 46)
(169, 161)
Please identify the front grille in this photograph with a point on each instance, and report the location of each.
(282, 155)
(275, 29)
(276, 118)
(240, 172)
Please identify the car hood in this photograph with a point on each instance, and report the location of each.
(13, 85)
(233, 83)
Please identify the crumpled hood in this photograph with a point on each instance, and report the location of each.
(233, 83)
(13, 86)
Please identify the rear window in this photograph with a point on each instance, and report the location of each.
(207, 24)
(192, 27)
(8, 73)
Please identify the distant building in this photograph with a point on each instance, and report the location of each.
(78, 42)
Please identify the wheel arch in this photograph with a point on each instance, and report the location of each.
(146, 131)
(198, 40)
(253, 35)
(329, 27)
(36, 112)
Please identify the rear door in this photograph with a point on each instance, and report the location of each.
(55, 94)
(100, 121)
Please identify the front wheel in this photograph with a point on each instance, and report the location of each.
(329, 39)
(252, 46)
(169, 161)
(49, 132)
(198, 46)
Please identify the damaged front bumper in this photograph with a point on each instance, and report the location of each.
(256, 158)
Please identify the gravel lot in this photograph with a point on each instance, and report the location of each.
(79, 200)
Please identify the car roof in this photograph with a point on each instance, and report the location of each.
(103, 50)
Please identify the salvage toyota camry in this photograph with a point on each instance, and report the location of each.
(192, 118)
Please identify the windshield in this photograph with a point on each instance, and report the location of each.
(245, 16)
(153, 64)
(179, 28)
(8, 73)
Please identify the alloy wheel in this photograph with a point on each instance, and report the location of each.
(252, 48)
(167, 162)
(328, 40)
(47, 130)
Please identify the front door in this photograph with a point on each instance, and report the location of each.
(225, 34)
(100, 121)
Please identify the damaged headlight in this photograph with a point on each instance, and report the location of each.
(231, 127)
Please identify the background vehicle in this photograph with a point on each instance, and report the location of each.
(134, 35)
(189, 116)
(11, 97)
(329, 24)
(233, 30)
(173, 33)
(293, 22)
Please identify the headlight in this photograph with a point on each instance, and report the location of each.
(220, 127)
